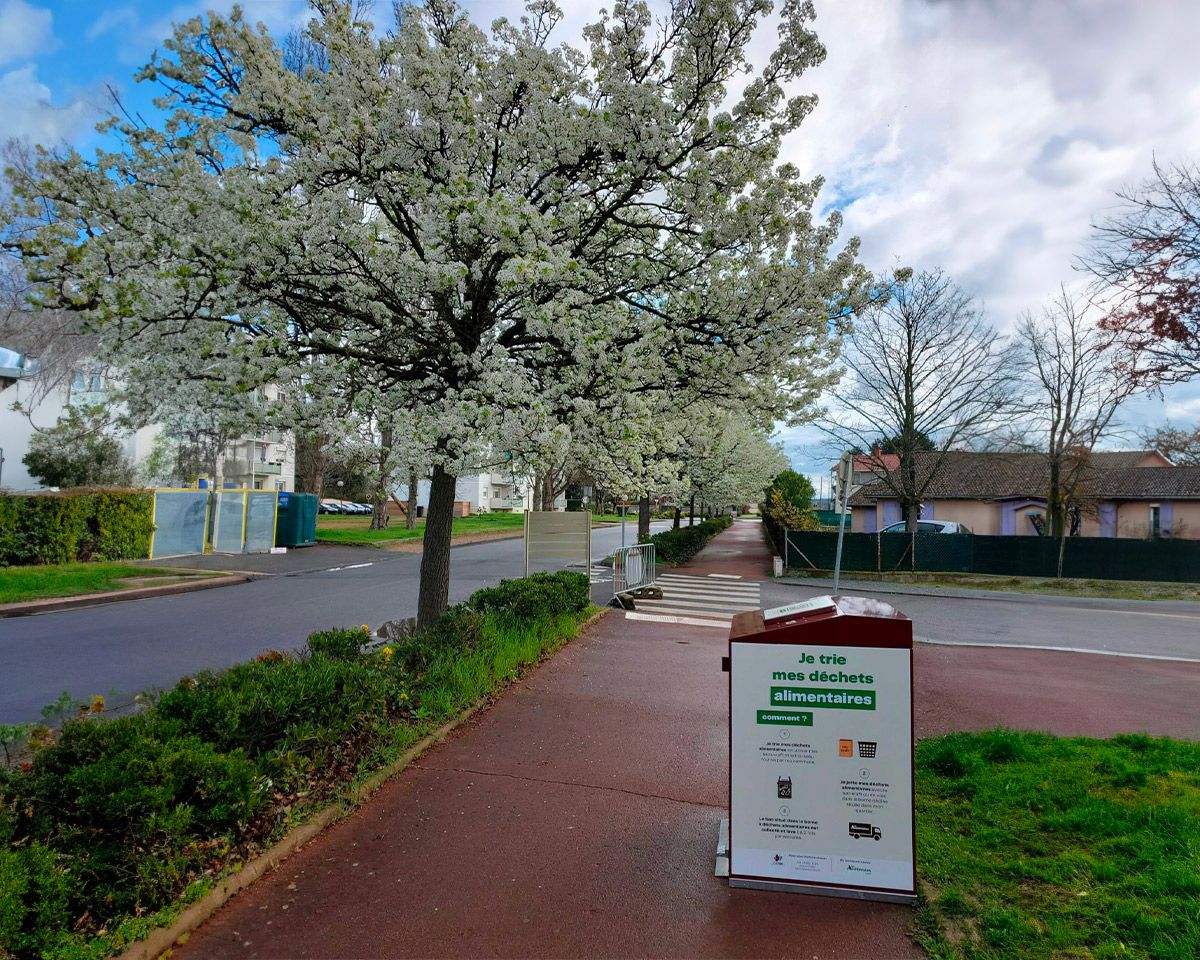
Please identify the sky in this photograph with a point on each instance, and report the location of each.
(980, 136)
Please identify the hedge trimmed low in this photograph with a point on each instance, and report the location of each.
(76, 525)
(675, 547)
(109, 826)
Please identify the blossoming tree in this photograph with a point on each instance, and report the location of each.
(474, 223)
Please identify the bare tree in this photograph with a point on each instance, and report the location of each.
(1147, 258)
(1080, 383)
(925, 370)
(1179, 444)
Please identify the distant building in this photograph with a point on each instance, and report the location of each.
(1127, 493)
(262, 462)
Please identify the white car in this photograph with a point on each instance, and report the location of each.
(928, 526)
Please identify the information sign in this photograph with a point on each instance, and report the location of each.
(821, 784)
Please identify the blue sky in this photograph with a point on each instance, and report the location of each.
(976, 136)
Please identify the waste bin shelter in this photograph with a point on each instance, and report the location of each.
(296, 525)
(821, 750)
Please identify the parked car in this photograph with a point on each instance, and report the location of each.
(928, 526)
(329, 506)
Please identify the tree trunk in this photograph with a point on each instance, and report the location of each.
(1054, 506)
(537, 493)
(379, 517)
(1062, 549)
(692, 511)
(675, 520)
(410, 508)
(644, 518)
(435, 558)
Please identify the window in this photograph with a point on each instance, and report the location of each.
(1155, 520)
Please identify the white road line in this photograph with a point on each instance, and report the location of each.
(708, 595)
(687, 621)
(351, 566)
(716, 589)
(726, 576)
(697, 604)
(1031, 646)
(1139, 613)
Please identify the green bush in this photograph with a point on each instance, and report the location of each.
(75, 526)
(341, 643)
(679, 546)
(287, 713)
(540, 595)
(117, 818)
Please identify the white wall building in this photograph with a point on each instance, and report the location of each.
(486, 492)
(265, 462)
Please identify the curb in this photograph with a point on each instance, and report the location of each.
(162, 939)
(29, 608)
(1002, 596)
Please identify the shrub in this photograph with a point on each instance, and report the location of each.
(342, 643)
(75, 526)
(679, 546)
(287, 712)
(540, 595)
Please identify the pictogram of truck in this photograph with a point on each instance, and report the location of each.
(858, 830)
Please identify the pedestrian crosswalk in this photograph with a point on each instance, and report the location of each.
(715, 598)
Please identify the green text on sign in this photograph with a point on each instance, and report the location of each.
(785, 717)
(816, 697)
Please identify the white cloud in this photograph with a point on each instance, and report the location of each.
(28, 112)
(985, 137)
(25, 30)
(109, 20)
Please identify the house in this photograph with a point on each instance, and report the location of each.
(262, 462)
(1128, 493)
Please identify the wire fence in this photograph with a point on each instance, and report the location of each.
(1098, 558)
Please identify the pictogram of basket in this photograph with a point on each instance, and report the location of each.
(866, 748)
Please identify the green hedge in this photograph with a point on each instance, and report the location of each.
(109, 825)
(75, 526)
(679, 546)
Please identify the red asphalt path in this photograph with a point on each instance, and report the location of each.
(578, 817)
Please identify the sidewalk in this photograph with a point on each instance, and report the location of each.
(577, 817)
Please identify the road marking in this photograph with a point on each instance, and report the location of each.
(1141, 613)
(352, 566)
(1031, 646)
(686, 621)
(712, 600)
(726, 576)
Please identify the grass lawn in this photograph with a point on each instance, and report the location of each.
(71, 579)
(1037, 847)
(1114, 589)
(354, 529)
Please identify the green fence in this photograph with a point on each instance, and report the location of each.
(1100, 558)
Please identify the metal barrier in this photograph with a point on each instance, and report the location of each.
(634, 568)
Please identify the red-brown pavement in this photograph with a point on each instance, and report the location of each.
(578, 816)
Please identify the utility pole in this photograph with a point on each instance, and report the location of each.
(845, 492)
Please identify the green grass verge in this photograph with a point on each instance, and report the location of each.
(1050, 586)
(1035, 847)
(70, 579)
(337, 529)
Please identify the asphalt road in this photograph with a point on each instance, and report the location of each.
(118, 649)
(1145, 628)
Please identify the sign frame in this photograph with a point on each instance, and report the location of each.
(848, 622)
